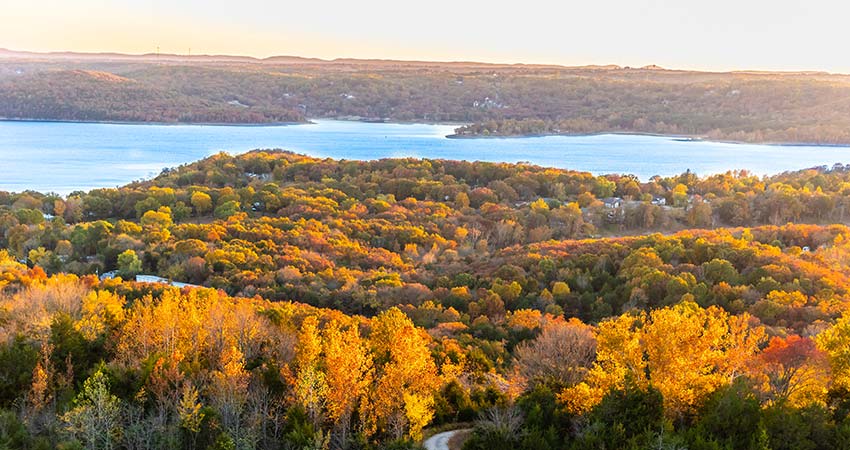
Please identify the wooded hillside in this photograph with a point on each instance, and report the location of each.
(497, 100)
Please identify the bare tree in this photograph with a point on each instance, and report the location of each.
(498, 424)
(562, 354)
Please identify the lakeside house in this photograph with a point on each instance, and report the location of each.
(612, 202)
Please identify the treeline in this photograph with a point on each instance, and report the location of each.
(500, 101)
(810, 133)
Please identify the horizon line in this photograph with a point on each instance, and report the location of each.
(7, 53)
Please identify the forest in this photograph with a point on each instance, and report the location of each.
(333, 304)
(490, 99)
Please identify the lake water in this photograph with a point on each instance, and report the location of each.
(63, 157)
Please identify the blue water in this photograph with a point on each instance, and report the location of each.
(64, 157)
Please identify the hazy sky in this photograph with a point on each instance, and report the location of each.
(700, 34)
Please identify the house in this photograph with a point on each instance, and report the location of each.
(612, 202)
(259, 176)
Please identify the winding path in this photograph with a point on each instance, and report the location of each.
(440, 441)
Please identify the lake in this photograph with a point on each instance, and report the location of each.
(64, 157)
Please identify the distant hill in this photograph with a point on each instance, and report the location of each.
(494, 99)
(280, 59)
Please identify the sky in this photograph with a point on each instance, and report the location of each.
(684, 34)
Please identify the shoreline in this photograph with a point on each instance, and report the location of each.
(311, 121)
(129, 122)
(677, 137)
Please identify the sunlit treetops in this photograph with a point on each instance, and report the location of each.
(366, 236)
(98, 361)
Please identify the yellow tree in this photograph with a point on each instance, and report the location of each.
(310, 387)
(101, 311)
(618, 354)
(684, 351)
(693, 351)
(348, 365)
(202, 202)
(835, 341)
(189, 410)
(402, 399)
(157, 224)
(680, 195)
(159, 326)
(228, 390)
(39, 399)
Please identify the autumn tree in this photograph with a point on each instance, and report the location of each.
(561, 355)
(189, 411)
(202, 202)
(649, 349)
(834, 342)
(792, 369)
(157, 224)
(95, 418)
(129, 265)
(348, 374)
(402, 399)
(310, 384)
(102, 311)
(228, 392)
